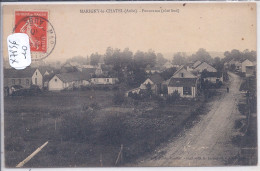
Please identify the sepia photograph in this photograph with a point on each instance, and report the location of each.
(129, 85)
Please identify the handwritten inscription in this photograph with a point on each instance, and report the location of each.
(19, 50)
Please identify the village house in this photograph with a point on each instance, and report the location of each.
(68, 81)
(153, 70)
(245, 64)
(213, 77)
(25, 77)
(205, 66)
(133, 91)
(46, 79)
(196, 63)
(155, 82)
(81, 67)
(46, 70)
(104, 81)
(184, 82)
(234, 63)
(103, 69)
(167, 65)
(250, 71)
(90, 71)
(68, 68)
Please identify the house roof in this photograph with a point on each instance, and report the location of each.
(182, 82)
(212, 74)
(43, 69)
(196, 63)
(73, 76)
(47, 78)
(187, 74)
(156, 78)
(205, 65)
(88, 70)
(24, 73)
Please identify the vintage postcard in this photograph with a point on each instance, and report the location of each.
(129, 85)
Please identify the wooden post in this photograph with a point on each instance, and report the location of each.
(119, 154)
(32, 155)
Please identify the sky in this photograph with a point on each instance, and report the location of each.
(216, 27)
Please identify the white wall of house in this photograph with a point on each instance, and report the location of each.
(55, 84)
(213, 79)
(180, 90)
(245, 64)
(103, 80)
(37, 78)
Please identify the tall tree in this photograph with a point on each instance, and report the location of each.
(95, 58)
(179, 58)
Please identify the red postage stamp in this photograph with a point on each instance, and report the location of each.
(34, 24)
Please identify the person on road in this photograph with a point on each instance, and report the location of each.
(227, 89)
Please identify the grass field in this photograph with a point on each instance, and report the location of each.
(82, 136)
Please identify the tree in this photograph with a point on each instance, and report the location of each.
(160, 60)
(201, 55)
(78, 59)
(218, 64)
(179, 58)
(95, 58)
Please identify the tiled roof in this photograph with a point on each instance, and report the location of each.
(181, 82)
(24, 73)
(89, 70)
(73, 76)
(212, 74)
(43, 69)
(156, 78)
(47, 78)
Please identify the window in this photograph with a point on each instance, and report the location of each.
(35, 73)
(35, 80)
(27, 82)
(55, 79)
(19, 81)
(13, 81)
(186, 90)
(107, 80)
(182, 75)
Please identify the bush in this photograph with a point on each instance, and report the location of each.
(118, 98)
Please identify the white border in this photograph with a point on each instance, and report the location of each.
(229, 168)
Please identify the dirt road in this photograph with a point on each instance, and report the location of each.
(208, 143)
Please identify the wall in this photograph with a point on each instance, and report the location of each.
(246, 63)
(8, 82)
(180, 90)
(37, 74)
(55, 84)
